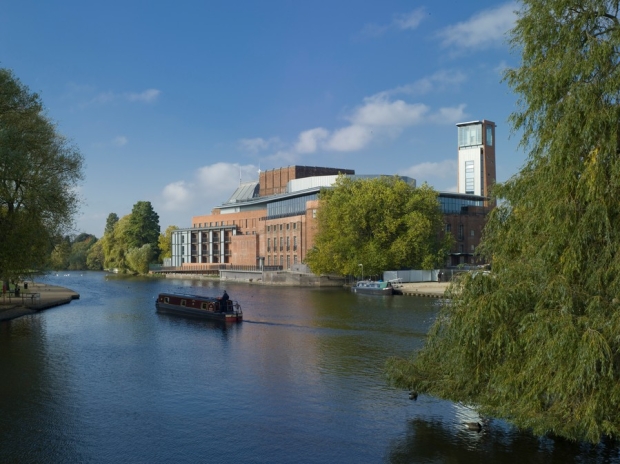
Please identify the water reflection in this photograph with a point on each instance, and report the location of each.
(428, 440)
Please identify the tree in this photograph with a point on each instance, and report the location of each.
(40, 170)
(115, 246)
(536, 341)
(110, 223)
(165, 242)
(138, 259)
(143, 227)
(95, 257)
(382, 223)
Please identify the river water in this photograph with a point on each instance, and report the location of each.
(107, 379)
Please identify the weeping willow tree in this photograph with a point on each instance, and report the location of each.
(537, 341)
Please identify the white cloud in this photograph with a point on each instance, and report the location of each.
(449, 115)
(351, 138)
(148, 96)
(259, 144)
(379, 111)
(483, 30)
(437, 82)
(441, 175)
(209, 186)
(175, 195)
(309, 140)
(402, 21)
(120, 141)
(410, 20)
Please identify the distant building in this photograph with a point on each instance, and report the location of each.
(476, 157)
(271, 224)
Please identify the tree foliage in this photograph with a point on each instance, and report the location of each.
(40, 169)
(124, 240)
(537, 341)
(72, 253)
(138, 259)
(143, 227)
(382, 223)
(165, 242)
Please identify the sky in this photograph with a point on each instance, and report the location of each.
(176, 103)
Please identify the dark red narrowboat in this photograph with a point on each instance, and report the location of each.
(207, 307)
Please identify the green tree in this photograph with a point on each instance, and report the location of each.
(536, 342)
(138, 259)
(382, 223)
(110, 223)
(40, 169)
(80, 248)
(115, 245)
(165, 242)
(95, 257)
(143, 227)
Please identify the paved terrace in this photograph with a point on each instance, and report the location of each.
(35, 298)
(426, 289)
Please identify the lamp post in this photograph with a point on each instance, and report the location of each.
(362, 266)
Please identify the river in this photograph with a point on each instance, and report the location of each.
(107, 379)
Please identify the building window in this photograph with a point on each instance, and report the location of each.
(295, 243)
(281, 260)
(470, 135)
(288, 243)
(288, 226)
(472, 233)
(294, 225)
(295, 259)
(314, 214)
(268, 244)
(489, 136)
(448, 228)
(281, 244)
(473, 248)
(469, 177)
(288, 261)
(460, 232)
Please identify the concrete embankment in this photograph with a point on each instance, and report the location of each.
(424, 289)
(33, 299)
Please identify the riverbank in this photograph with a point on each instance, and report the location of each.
(425, 289)
(34, 299)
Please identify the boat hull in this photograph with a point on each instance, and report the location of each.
(373, 288)
(373, 291)
(199, 306)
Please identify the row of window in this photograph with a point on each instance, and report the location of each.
(290, 225)
(279, 260)
(288, 243)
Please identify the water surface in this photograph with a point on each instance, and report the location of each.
(107, 379)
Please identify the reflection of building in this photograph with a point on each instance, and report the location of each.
(272, 222)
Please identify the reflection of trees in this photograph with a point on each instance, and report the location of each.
(436, 441)
(30, 418)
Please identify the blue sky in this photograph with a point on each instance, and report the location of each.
(174, 103)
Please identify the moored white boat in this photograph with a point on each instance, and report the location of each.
(373, 288)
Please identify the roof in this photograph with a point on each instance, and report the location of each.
(246, 191)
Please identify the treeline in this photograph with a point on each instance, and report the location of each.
(129, 244)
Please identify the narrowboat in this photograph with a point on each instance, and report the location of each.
(207, 307)
(369, 287)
